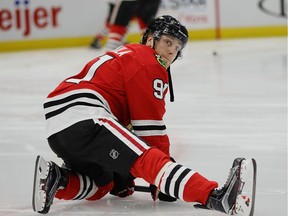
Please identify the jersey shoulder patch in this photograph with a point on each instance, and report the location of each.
(160, 60)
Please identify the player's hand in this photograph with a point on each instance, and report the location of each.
(123, 190)
(156, 194)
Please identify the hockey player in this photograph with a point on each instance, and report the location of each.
(87, 115)
(101, 36)
(120, 14)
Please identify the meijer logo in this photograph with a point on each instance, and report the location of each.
(22, 17)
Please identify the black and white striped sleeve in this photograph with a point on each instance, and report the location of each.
(149, 127)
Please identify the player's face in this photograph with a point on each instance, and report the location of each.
(168, 47)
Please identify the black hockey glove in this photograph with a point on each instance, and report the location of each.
(157, 194)
(123, 187)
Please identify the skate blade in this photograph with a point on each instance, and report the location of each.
(245, 201)
(40, 175)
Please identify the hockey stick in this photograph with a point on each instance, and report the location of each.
(140, 188)
(155, 194)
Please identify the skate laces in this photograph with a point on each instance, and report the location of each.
(228, 180)
(52, 191)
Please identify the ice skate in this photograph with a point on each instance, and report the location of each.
(237, 196)
(97, 43)
(48, 178)
(245, 201)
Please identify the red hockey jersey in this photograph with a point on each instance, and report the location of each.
(129, 83)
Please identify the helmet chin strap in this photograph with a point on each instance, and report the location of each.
(170, 85)
(169, 75)
(170, 80)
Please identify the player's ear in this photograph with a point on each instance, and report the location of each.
(150, 41)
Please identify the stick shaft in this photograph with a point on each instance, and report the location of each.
(142, 188)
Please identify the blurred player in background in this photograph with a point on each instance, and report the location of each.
(87, 117)
(120, 14)
(100, 39)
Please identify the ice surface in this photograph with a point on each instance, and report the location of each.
(226, 105)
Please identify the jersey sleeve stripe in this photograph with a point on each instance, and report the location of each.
(146, 122)
(71, 98)
(149, 127)
(73, 95)
(58, 111)
(59, 105)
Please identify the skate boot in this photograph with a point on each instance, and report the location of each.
(48, 178)
(232, 199)
(97, 43)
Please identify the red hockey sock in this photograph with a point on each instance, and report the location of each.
(71, 190)
(148, 165)
(101, 192)
(117, 32)
(198, 189)
(76, 189)
(172, 178)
